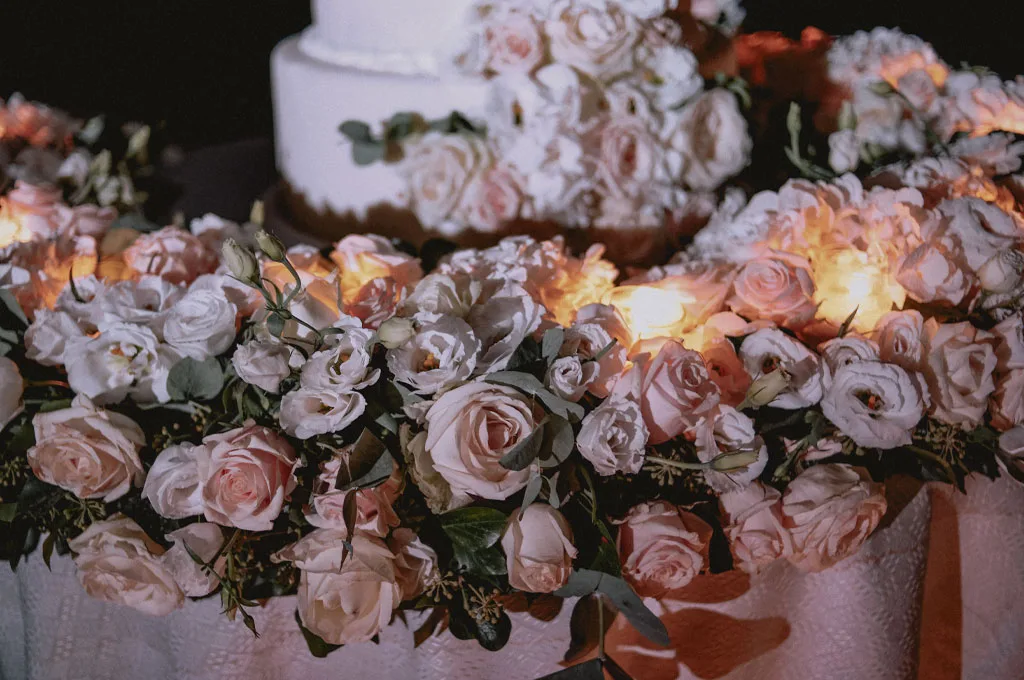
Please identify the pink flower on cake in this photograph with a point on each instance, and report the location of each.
(755, 526)
(877, 405)
(677, 391)
(415, 563)
(900, 339)
(830, 510)
(494, 199)
(470, 428)
(246, 474)
(1007, 404)
(630, 159)
(777, 287)
(806, 376)
(172, 485)
(513, 44)
(960, 361)
(117, 562)
(662, 548)
(538, 549)
(439, 169)
(598, 39)
(11, 389)
(354, 603)
(711, 133)
(172, 254)
(91, 452)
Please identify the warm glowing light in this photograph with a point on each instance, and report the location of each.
(1008, 119)
(309, 266)
(651, 311)
(12, 231)
(895, 68)
(848, 280)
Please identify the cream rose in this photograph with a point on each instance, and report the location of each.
(613, 437)
(677, 391)
(442, 353)
(246, 475)
(597, 39)
(830, 510)
(11, 388)
(263, 363)
(959, 366)
(662, 548)
(712, 136)
(630, 157)
(204, 540)
(91, 452)
(355, 603)
(538, 549)
(569, 377)
(48, 337)
(438, 170)
(754, 526)
(201, 325)
(469, 430)
(117, 562)
(172, 254)
(777, 287)
(725, 433)
(502, 323)
(415, 563)
(309, 411)
(900, 339)
(769, 350)
(172, 485)
(876, 405)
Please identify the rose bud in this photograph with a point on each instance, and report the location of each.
(396, 331)
(271, 246)
(765, 389)
(240, 262)
(737, 460)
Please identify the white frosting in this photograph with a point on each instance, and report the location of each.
(314, 92)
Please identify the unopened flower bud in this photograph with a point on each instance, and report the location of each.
(396, 331)
(271, 246)
(1003, 273)
(765, 389)
(240, 261)
(737, 460)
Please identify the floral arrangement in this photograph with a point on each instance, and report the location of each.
(199, 411)
(597, 117)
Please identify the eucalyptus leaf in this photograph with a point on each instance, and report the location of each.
(368, 465)
(559, 439)
(525, 451)
(532, 386)
(632, 607)
(551, 344)
(12, 305)
(532, 491)
(368, 153)
(191, 379)
(584, 631)
(275, 325)
(356, 130)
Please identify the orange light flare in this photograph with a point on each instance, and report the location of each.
(895, 68)
(652, 310)
(847, 279)
(12, 230)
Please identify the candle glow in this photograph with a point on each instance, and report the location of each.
(651, 311)
(848, 280)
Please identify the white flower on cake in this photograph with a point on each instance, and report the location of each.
(711, 133)
(597, 38)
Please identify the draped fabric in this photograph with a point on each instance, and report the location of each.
(936, 594)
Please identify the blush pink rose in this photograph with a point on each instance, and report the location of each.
(959, 367)
(830, 510)
(374, 512)
(172, 254)
(935, 272)
(777, 287)
(415, 562)
(375, 302)
(755, 527)
(726, 370)
(677, 391)
(245, 475)
(513, 44)
(538, 549)
(1010, 350)
(91, 452)
(1007, 404)
(363, 258)
(662, 547)
(493, 199)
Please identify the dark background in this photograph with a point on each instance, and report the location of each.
(202, 66)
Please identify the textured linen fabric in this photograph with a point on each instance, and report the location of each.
(939, 593)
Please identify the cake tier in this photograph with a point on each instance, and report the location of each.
(313, 96)
(421, 31)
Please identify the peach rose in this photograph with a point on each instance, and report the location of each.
(960, 361)
(538, 549)
(662, 547)
(755, 528)
(439, 169)
(245, 475)
(677, 391)
(172, 254)
(363, 258)
(374, 513)
(354, 603)
(1007, 403)
(830, 510)
(726, 370)
(415, 562)
(470, 428)
(375, 302)
(91, 452)
(777, 287)
(117, 562)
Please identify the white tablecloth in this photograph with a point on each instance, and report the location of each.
(937, 594)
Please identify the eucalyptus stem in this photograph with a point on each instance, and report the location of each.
(939, 460)
(600, 626)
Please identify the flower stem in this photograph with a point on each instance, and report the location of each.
(928, 455)
(679, 465)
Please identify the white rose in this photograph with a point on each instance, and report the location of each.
(344, 367)
(597, 39)
(630, 158)
(201, 325)
(309, 411)
(47, 338)
(415, 562)
(613, 437)
(320, 551)
(124, 359)
(711, 133)
(501, 324)
(900, 338)
(982, 229)
(442, 353)
(172, 486)
(839, 352)
(470, 429)
(117, 562)
(438, 169)
(844, 151)
(437, 293)
(730, 432)
(246, 299)
(86, 308)
(204, 540)
(11, 388)
(670, 75)
(145, 302)
(569, 377)
(91, 452)
(769, 350)
(959, 367)
(263, 363)
(876, 405)
(933, 272)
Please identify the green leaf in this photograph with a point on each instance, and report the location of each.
(487, 562)
(584, 632)
(402, 125)
(474, 527)
(559, 441)
(48, 544)
(12, 305)
(581, 582)
(368, 465)
(551, 344)
(532, 386)
(845, 328)
(191, 379)
(356, 130)
(494, 636)
(368, 153)
(589, 670)
(316, 644)
(632, 607)
(8, 511)
(525, 451)
(531, 493)
(275, 325)
(527, 355)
